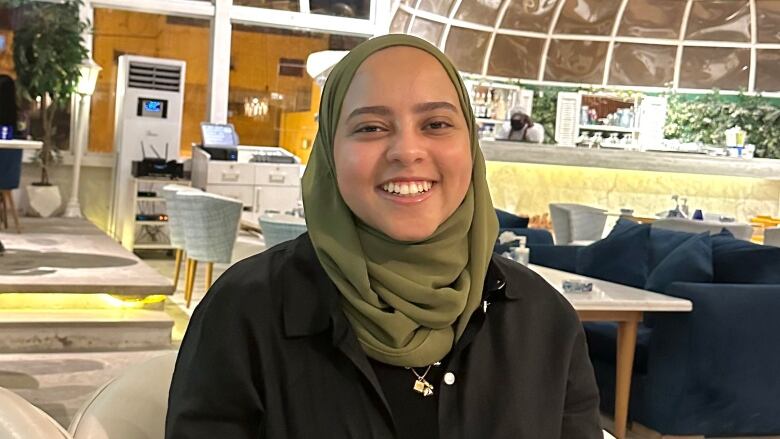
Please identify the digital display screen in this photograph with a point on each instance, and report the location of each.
(150, 107)
(218, 134)
(153, 106)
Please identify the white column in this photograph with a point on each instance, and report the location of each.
(73, 209)
(219, 62)
(79, 126)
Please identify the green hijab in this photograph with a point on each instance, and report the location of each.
(407, 302)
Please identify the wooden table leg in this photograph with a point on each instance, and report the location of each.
(209, 274)
(626, 345)
(191, 285)
(177, 272)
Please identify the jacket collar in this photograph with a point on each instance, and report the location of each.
(311, 300)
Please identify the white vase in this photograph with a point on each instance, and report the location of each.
(44, 200)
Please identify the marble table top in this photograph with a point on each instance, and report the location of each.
(71, 255)
(21, 144)
(609, 296)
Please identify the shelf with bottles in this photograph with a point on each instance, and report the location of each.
(607, 113)
(492, 102)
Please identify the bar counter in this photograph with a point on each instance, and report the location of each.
(525, 178)
(688, 163)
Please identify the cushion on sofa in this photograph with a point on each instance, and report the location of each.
(508, 220)
(663, 242)
(690, 261)
(621, 257)
(739, 261)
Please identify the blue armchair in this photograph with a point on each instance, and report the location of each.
(713, 371)
(519, 226)
(10, 174)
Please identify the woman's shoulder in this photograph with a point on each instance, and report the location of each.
(257, 284)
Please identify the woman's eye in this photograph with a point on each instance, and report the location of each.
(437, 125)
(369, 129)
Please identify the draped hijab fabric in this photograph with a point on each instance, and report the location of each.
(408, 302)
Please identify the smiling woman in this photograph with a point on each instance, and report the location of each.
(391, 317)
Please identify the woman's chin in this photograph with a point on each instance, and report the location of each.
(409, 232)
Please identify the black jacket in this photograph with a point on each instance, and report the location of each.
(269, 354)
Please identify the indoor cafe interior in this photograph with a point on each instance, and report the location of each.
(632, 155)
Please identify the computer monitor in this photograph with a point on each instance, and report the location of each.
(218, 135)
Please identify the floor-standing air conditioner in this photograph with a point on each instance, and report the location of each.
(148, 119)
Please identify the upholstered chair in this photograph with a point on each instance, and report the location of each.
(10, 174)
(576, 223)
(21, 420)
(210, 231)
(277, 228)
(772, 236)
(132, 405)
(175, 224)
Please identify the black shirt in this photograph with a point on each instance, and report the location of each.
(269, 354)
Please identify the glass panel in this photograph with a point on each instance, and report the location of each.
(284, 5)
(576, 61)
(767, 68)
(715, 67)
(587, 17)
(530, 15)
(719, 20)
(341, 8)
(768, 21)
(428, 30)
(272, 101)
(400, 22)
(642, 64)
(441, 7)
(466, 48)
(133, 33)
(652, 18)
(515, 57)
(479, 11)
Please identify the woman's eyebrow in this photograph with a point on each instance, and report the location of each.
(430, 106)
(378, 110)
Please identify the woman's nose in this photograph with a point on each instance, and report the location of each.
(408, 147)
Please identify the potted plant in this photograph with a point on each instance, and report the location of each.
(48, 51)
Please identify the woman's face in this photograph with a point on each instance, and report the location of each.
(402, 154)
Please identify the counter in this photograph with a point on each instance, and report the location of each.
(525, 178)
(519, 152)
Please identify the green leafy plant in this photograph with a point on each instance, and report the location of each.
(705, 118)
(48, 50)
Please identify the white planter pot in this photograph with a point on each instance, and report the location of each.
(44, 200)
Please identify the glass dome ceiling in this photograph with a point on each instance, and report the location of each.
(653, 44)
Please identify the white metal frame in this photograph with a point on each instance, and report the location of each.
(680, 42)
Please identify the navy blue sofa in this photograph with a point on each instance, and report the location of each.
(519, 226)
(714, 371)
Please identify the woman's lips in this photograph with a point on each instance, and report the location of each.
(407, 199)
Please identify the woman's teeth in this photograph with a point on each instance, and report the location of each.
(408, 187)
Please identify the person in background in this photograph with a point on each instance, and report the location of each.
(522, 128)
(392, 317)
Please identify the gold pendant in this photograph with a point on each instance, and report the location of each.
(424, 387)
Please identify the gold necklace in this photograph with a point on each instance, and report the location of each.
(421, 385)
